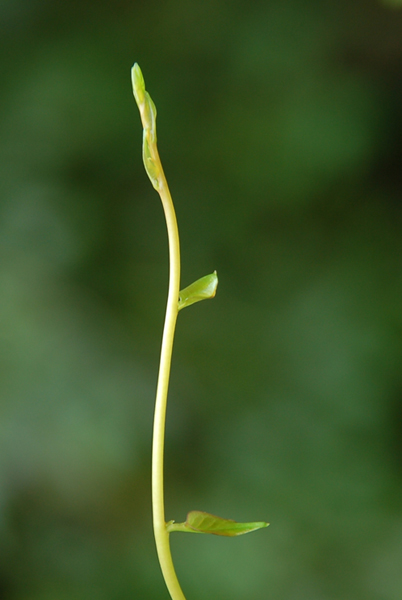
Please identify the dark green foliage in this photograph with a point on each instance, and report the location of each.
(279, 127)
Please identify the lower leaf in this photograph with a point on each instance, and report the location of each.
(202, 522)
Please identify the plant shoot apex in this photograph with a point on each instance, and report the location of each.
(138, 83)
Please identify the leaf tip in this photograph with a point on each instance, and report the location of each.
(138, 82)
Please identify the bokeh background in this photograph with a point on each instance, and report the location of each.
(280, 129)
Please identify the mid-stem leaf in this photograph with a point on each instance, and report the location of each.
(202, 522)
(202, 289)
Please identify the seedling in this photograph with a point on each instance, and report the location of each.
(202, 289)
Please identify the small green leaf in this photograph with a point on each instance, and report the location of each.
(150, 166)
(144, 102)
(151, 117)
(202, 289)
(202, 522)
(138, 84)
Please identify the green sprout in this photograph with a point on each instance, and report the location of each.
(202, 289)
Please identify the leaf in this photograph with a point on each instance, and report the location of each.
(138, 84)
(203, 522)
(202, 289)
(144, 102)
(150, 166)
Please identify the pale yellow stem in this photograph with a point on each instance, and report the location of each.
(155, 172)
(160, 531)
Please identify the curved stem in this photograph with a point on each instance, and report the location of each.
(160, 531)
(156, 174)
(203, 288)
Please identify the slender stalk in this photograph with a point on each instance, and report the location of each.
(154, 169)
(202, 289)
(160, 531)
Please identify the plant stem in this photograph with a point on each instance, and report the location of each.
(154, 169)
(202, 289)
(160, 531)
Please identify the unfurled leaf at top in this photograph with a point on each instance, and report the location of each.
(148, 118)
(202, 289)
(144, 102)
(202, 522)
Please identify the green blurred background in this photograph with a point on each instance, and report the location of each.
(280, 129)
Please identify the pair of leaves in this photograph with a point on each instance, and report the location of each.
(144, 102)
(147, 110)
(202, 522)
